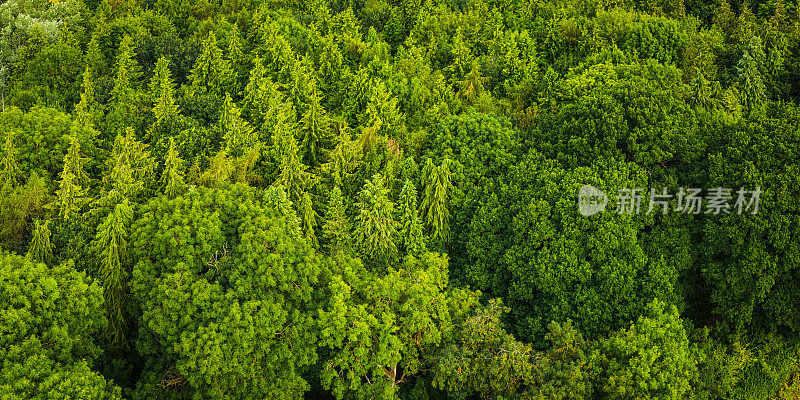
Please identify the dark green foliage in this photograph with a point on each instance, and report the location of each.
(287, 199)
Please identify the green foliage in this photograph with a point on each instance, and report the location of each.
(435, 199)
(125, 97)
(55, 313)
(212, 73)
(255, 186)
(41, 137)
(131, 167)
(484, 359)
(382, 329)
(309, 219)
(652, 359)
(239, 280)
(18, 207)
(337, 230)
(238, 135)
(293, 174)
(162, 91)
(376, 228)
(40, 249)
(410, 225)
(112, 249)
(172, 175)
(9, 169)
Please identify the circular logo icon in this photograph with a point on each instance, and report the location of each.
(591, 200)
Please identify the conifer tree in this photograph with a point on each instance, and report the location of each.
(162, 91)
(292, 172)
(237, 57)
(336, 230)
(74, 163)
(245, 163)
(279, 58)
(9, 170)
(87, 109)
(220, 170)
(259, 94)
(71, 192)
(315, 129)
(111, 248)
(212, 73)
(471, 87)
(410, 228)
(382, 111)
(309, 219)
(131, 166)
(237, 133)
(124, 97)
(276, 197)
(437, 181)
(69, 197)
(750, 69)
(343, 159)
(376, 229)
(40, 249)
(95, 61)
(172, 177)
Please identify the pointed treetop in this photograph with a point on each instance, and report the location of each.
(9, 170)
(40, 249)
(162, 90)
(88, 106)
(237, 133)
(410, 230)
(336, 230)
(376, 229)
(309, 219)
(212, 73)
(172, 177)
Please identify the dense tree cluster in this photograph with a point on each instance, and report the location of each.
(240, 199)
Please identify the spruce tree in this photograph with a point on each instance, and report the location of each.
(337, 230)
(40, 248)
(212, 73)
(131, 166)
(172, 177)
(238, 135)
(71, 192)
(410, 228)
(9, 170)
(292, 172)
(74, 163)
(275, 196)
(124, 96)
(750, 70)
(220, 170)
(70, 197)
(376, 229)
(111, 248)
(343, 159)
(437, 181)
(162, 91)
(309, 219)
(315, 129)
(87, 109)
(260, 96)
(237, 57)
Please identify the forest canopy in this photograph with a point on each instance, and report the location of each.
(386, 199)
